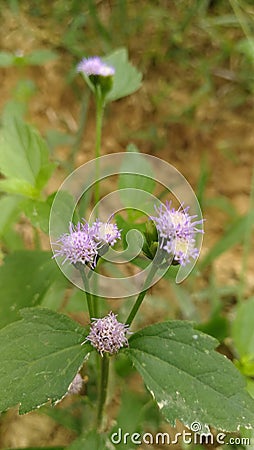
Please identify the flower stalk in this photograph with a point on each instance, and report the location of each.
(142, 294)
(104, 373)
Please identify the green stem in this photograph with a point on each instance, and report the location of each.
(99, 117)
(104, 371)
(82, 122)
(90, 303)
(141, 295)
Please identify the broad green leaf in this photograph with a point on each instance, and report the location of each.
(188, 379)
(91, 441)
(38, 213)
(242, 328)
(14, 108)
(18, 187)
(233, 236)
(9, 212)
(40, 356)
(24, 156)
(138, 177)
(25, 277)
(127, 78)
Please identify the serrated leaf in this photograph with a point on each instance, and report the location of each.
(242, 328)
(40, 356)
(127, 78)
(25, 278)
(189, 380)
(24, 156)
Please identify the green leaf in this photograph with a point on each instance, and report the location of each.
(137, 181)
(18, 187)
(91, 440)
(24, 156)
(189, 380)
(38, 213)
(9, 212)
(242, 328)
(25, 277)
(40, 356)
(127, 78)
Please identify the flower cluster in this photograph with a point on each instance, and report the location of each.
(107, 233)
(177, 230)
(108, 335)
(95, 66)
(83, 243)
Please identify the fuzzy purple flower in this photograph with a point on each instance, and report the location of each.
(105, 232)
(177, 229)
(83, 244)
(78, 246)
(108, 335)
(95, 66)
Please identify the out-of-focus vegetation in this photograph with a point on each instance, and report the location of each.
(195, 110)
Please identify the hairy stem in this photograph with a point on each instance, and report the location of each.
(90, 303)
(141, 295)
(99, 117)
(104, 371)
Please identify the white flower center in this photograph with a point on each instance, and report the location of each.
(106, 230)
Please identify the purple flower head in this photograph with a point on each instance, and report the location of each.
(108, 335)
(84, 244)
(95, 66)
(78, 246)
(177, 229)
(105, 232)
